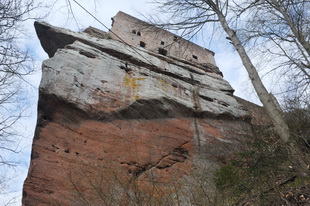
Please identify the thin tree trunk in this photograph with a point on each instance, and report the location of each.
(272, 111)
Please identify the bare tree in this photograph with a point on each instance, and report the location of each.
(15, 63)
(281, 30)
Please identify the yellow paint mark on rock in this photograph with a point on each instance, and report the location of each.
(165, 85)
(132, 83)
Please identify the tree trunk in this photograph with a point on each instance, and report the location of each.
(271, 108)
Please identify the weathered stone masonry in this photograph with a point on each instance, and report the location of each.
(141, 34)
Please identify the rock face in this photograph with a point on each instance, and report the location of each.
(111, 113)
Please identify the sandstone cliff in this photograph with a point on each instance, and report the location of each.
(110, 113)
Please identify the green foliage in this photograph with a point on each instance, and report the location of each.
(252, 174)
(298, 120)
(228, 176)
(265, 173)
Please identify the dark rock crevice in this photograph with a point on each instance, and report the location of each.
(177, 155)
(140, 109)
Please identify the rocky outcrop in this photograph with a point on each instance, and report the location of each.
(107, 108)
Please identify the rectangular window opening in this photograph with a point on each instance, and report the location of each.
(162, 51)
(162, 43)
(142, 44)
(195, 57)
(134, 31)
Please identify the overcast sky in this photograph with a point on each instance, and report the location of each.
(227, 60)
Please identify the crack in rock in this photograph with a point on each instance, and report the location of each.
(177, 155)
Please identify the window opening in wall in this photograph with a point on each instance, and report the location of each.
(195, 57)
(175, 38)
(142, 44)
(138, 33)
(162, 43)
(134, 32)
(162, 51)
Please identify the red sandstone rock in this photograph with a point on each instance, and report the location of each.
(115, 127)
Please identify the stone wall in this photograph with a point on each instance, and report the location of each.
(141, 34)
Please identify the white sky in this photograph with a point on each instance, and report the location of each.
(228, 62)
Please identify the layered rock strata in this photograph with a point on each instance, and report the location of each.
(107, 108)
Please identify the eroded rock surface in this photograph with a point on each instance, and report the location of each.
(107, 106)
